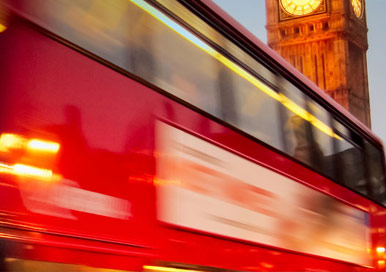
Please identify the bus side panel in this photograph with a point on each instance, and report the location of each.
(97, 183)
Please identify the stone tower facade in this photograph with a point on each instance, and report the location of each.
(326, 40)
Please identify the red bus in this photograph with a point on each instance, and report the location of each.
(160, 135)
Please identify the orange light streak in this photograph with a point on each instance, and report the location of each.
(7, 169)
(40, 145)
(266, 265)
(26, 170)
(168, 269)
(13, 141)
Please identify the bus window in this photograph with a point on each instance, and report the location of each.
(375, 166)
(184, 70)
(350, 160)
(226, 95)
(258, 113)
(296, 128)
(323, 158)
(219, 39)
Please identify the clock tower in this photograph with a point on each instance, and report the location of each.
(326, 40)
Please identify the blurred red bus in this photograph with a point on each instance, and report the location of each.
(162, 136)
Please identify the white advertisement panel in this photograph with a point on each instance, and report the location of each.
(204, 187)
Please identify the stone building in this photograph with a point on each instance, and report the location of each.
(326, 40)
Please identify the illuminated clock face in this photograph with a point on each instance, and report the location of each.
(357, 7)
(300, 7)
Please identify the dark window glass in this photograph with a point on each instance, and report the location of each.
(350, 160)
(308, 136)
(322, 140)
(295, 127)
(376, 170)
(258, 113)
